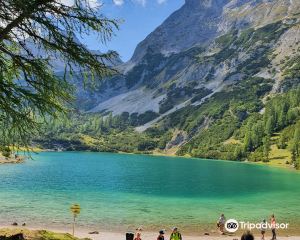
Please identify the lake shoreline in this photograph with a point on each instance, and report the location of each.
(85, 233)
(11, 160)
(271, 163)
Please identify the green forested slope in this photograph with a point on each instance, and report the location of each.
(248, 119)
(240, 127)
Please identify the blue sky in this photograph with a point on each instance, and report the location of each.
(140, 18)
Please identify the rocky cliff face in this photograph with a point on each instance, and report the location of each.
(201, 48)
(195, 23)
(200, 21)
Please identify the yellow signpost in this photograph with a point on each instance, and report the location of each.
(75, 209)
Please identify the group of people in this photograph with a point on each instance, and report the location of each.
(175, 235)
(222, 220)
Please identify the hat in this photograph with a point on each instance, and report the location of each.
(161, 232)
(174, 228)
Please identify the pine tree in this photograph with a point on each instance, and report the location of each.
(238, 153)
(282, 141)
(266, 147)
(248, 142)
(297, 139)
(294, 155)
(297, 163)
(269, 126)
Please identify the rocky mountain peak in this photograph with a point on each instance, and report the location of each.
(194, 23)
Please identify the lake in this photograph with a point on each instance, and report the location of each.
(118, 192)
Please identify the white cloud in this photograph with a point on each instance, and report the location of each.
(161, 1)
(67, 2)
(118, 2)
(91, 3)
(94, 3)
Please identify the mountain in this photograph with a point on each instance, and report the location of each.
(205, 83)
(195, 23)
(169, 57)
(85, 93)
(56, 60)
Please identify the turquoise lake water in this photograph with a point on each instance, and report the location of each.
(120, 192)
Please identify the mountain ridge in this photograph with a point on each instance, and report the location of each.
(142, 69)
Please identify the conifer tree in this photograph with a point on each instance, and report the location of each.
(29, 88)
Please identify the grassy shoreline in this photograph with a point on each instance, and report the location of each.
(276, 159)
(272, 162)
(34, 234)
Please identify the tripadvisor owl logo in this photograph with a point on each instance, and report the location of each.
(231, 225)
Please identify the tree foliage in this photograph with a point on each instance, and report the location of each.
(32, 34)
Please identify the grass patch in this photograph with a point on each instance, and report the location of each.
(37, 234)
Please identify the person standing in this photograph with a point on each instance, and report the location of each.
(175, 235)
(221, 223)
(273, 226)
(138, 236)
(263, 229)
(161, 235)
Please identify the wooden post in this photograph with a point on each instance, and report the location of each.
(75, 209)
(73, 232)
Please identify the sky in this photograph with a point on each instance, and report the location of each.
(140, 17)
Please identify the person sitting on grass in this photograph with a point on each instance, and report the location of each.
(175, 235)
(247, 236)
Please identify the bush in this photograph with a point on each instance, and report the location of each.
(6, 152)
(146, 145)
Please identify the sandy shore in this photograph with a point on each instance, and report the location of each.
(103, 235)
(153, 236)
